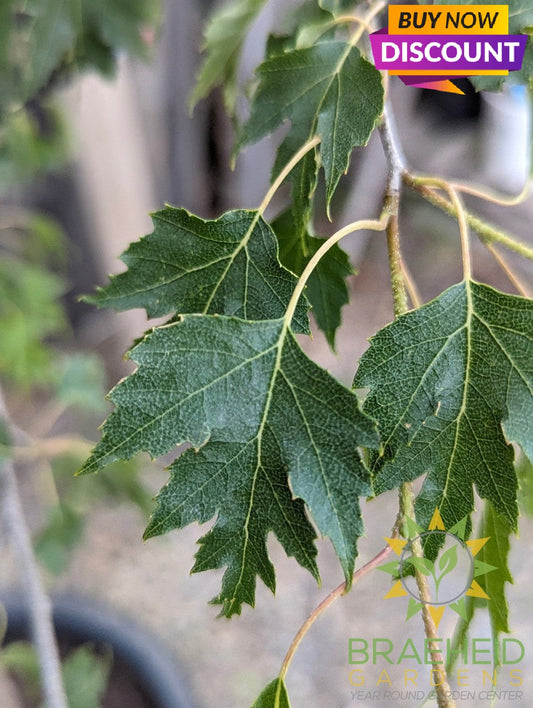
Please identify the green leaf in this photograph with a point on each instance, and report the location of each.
(451, 386)
(328, 90)
(40, 33)
(274, 696)
(33, 142)
(30, 311)
(224, 37)
(336, 6)
(80, 382)
(45, 39)
(492, 572)
(56, 542)
(259, 414)
(119, 25)
(495, 553)
(327, 290)
(85, 675)
(227, 266)
(524, 469)
(20, 659)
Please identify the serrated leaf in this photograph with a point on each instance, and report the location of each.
(224, 36)
(275, 695)
(261, 415)
(327, 290)
(328, 90)
(225, 266)
(451, 386)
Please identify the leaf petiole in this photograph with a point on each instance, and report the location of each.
(487, 232)
(291, 164)
(365, 224)
(479, 191)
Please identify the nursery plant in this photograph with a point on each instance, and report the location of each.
(273, 442)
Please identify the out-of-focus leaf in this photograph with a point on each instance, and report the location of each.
(85, 675)
(80, 382)
(54, 545)
(224, 36)
(29, 313)
(33, 142)
(20, 659)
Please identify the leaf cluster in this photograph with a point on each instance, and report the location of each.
(274, 442)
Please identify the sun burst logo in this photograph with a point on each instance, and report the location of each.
(450, 578)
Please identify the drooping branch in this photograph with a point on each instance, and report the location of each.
(396, 172)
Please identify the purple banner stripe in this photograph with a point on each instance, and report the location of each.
(448, 52)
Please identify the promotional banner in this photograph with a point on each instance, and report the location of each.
(432, 45)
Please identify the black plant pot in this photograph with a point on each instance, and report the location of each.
(144, 674)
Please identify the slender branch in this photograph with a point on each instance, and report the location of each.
(396, 171)
(396, 168)
(370, 225)
(513, 277)
(39, 606)
(442, 687)
(487, 232)
(315, 614)
(309, 145)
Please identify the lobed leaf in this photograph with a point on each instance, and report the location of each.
(328, 90)
(224, 36)
(186, 265)
(260, 415)
(451, 386)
